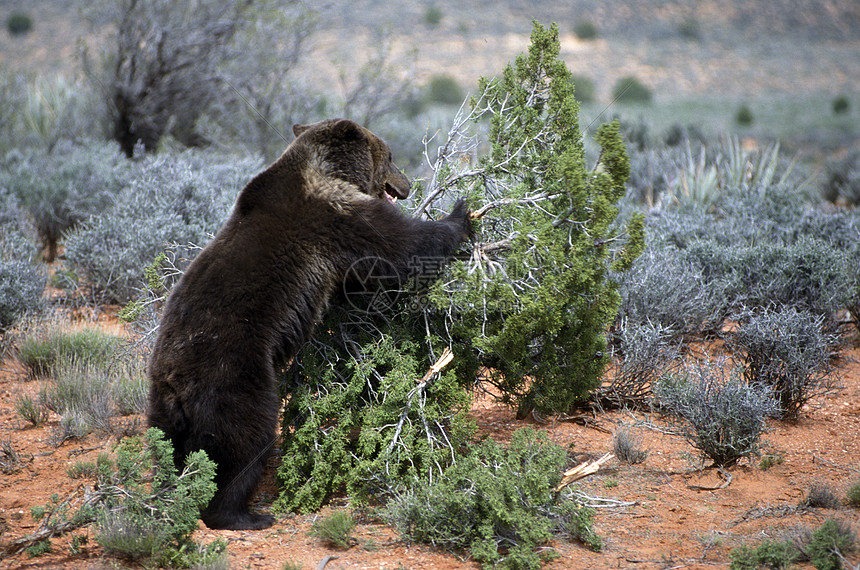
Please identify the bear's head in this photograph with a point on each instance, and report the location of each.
(345, 150)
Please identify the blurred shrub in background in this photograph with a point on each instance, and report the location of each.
(585, 30)
(445, 89)
(841, 105)
(59, 189)
(22, 278)
(19, 23)
(744, 116)
(176, 198)
(842, 178)
(631, 90)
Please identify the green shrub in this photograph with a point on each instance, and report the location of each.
(585, 30)
(143, 509)
(830, 542)
(820, 496)
(433, 16)
(368, 427)
(744, 116)
(335, 530)
(841, 105)
(153, 521)
(723, 418)
(31, 410)
(444, 89)
(690, 29)
(496, 503)
(42, 351)
(19, 23)
(787, 351)
(769, 554)
(854, 495)
(38, 549)
(533, 314)
(630, 90)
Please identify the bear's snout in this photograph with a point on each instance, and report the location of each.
(397, 185)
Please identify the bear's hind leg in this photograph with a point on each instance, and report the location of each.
(228, 509)
(168, 417)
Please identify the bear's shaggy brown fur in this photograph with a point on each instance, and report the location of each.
(252, 296)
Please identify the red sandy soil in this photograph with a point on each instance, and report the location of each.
(668, 525)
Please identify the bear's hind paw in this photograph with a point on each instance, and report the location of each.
(239, 521)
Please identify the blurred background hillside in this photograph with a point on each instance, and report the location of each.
(786, 61)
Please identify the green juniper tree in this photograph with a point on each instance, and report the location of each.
(525, 310)
(532, 304)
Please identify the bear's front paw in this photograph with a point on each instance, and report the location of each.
(460, 219)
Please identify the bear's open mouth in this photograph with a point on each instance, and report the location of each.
(392, 194)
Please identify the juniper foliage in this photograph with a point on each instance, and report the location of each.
(498, 503)
(142, 506)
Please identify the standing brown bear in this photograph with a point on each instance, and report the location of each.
(252, 296)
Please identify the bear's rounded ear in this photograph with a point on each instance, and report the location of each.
(299, 129)
(348, 130)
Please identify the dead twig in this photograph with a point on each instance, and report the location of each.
(444, 360)
(601, 502)
(830, 463)
(47, 529)
(757, 512)
(582, 471)
(325, 561)
(723, 473)
(83, 450)
(581, 419)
